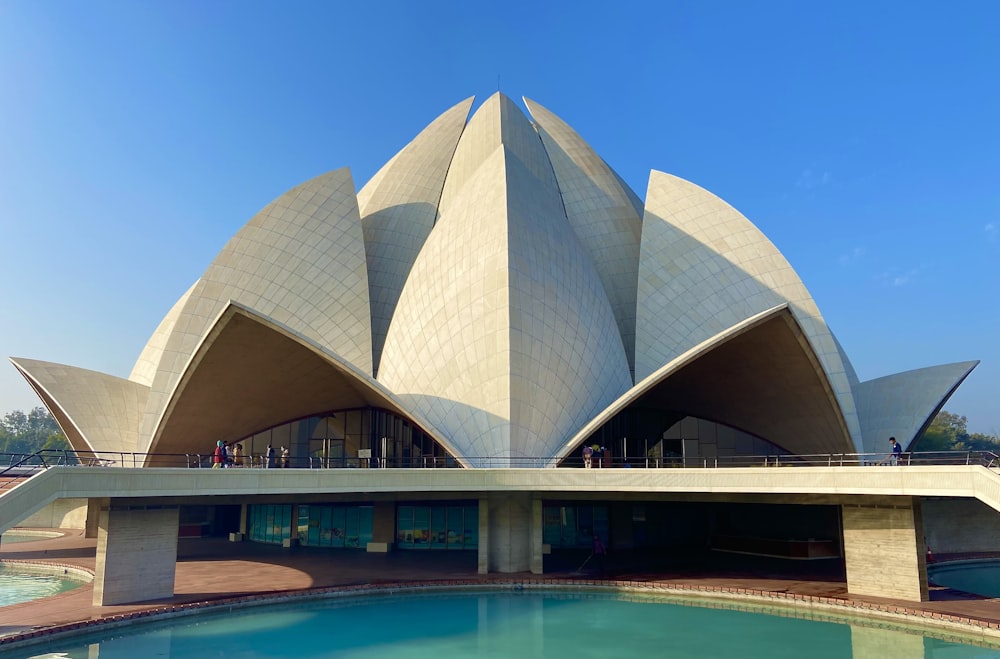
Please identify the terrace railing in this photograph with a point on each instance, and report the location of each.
(19, 465)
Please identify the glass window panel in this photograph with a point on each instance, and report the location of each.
(317, 452)
(335, 426)
(439, 530)
(364, 436)
(421, 526)
(353, 421)
(471, 539)
(569, 535)
(584, 525)
(404, 526)
(315, 516)
(335, 458)
(253, 523)
(351, 531)
(285, 532)
(551, 526)
(302, 524)
(339, 525)
(455, 527)
(366, 521)
(326, 527)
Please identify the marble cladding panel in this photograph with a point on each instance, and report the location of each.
(704, 268)
(898, 405)
(447, 347)
(304, 249)
(398, 209)
(145, 366)
(104, 409)
(602, 215)
(568, 362)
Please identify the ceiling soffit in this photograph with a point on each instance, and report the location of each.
(765, 381)
(249, 376)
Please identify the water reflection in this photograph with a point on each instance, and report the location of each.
(520, 624)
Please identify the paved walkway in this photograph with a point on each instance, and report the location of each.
(214, 569)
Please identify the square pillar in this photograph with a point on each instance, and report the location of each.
(484, 536)
(93, 522)
(509, 532)
(136, 554)
(535, 535)
(884, 552)
(384, 522)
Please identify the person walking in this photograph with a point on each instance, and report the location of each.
(600, 552)
(269, 457)
(895, 458)
(588, 456)
(219, 457)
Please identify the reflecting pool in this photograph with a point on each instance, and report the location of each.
(507, 623)
(979, 576)
(23, 583)
(25, 535)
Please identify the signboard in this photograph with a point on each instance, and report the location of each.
(364, 453)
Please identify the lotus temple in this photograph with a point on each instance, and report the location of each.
(421, 364)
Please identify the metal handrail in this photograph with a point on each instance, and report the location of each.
(25, 464)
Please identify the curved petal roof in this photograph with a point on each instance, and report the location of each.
(703, 267)
(145, 367)
(903, 405)
(498, 284)
(605, 215)
(97, 412)
(504, 337)
(301, 262)
(398, 209)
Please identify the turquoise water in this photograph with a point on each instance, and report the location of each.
(25, 536)
(504, 624)
(24, 585)
(981, 576)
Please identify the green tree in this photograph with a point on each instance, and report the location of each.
(27, 433)
(949, 432)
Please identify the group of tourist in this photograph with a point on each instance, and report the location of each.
(592, 451)
(224, 458)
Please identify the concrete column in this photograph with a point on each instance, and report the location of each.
(510, 532)
(484, 536)
(383, 526)
(240, 534)
(93, 523)
(535, 535)
(136, 555)
(884, 551)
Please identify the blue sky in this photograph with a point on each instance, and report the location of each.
(861, 137)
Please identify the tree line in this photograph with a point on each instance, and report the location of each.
(949, 432)
(27, 433)
(36, 430)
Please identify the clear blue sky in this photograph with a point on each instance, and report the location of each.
(863, 138)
